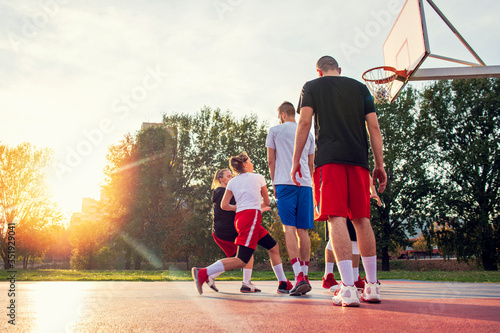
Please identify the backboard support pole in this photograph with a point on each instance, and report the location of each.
(455, 31)
(453, 73)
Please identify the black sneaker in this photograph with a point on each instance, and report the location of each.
(284, 287)
(211, 284)
(249, 288)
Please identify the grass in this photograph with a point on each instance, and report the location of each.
(143, 275)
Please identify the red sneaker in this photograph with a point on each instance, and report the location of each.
(200, 276)
(285, 287)
(329, 282)
(301, 287)
(360, 284)
(307, 280)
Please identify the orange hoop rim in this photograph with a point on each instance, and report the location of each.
(383, 80)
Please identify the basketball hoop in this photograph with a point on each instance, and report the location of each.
(379, 80)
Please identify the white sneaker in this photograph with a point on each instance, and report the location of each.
(346, 296)
(211, 283)
(249, 288)
(371, 293)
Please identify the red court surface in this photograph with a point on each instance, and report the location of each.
(176, 307)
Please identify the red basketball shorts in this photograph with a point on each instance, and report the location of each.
(341, 190)
(250, 231)
(228, 247)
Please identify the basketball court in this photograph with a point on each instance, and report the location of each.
(409, 306)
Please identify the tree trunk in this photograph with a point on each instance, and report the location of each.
(137, 262)
(385, 259)
(489, 255)
(90, 265)
(128, 258)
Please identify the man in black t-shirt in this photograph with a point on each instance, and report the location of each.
(343, 109)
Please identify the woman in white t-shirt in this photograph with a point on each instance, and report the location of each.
(250, 192)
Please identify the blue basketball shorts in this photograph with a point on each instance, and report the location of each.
(295, 206)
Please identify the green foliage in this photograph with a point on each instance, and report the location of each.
(464, 125)
(410, 185)
(204, 143)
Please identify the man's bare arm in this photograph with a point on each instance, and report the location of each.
(271, 162)
(303, 128)
(377, 148)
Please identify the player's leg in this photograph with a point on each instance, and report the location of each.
(300, 268)
(247, 286)
(268, 242)
(287, 196)
(305, 250)
(329, 281)
(287, 210)
(229, 249)
(201, 275)
(334, 203)
(359, 191)
(358, 282)
(305, 222)
(367, 247)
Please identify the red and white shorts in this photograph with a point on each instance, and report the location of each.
(249, 228)
(341, 190)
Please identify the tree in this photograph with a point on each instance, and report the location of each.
(24, 196)
(204, 143)
(120, 190)
(87, 238)
(32, 241)
(139, 201)
(464, 123)
(410, 184)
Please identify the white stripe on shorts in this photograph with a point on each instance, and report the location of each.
(249, 238)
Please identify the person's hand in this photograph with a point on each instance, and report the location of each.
(375, 196)
(293, 173)
(265, 209)
(379, 173)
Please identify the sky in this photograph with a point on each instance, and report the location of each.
(76, 76)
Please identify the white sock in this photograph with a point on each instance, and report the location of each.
(247, 275)
(345, 268)
(296, 267)
(216, 267)
(280, 274)
(214, 276)
(355, 273)
(305, 269)
(370, 266)
(329, 268)
(355, 249)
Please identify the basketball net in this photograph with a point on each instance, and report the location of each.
(379, 80)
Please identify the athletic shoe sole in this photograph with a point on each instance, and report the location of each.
(194, 272)
(250, 291)
(310, 288)
(302, 288)
(373, 300)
